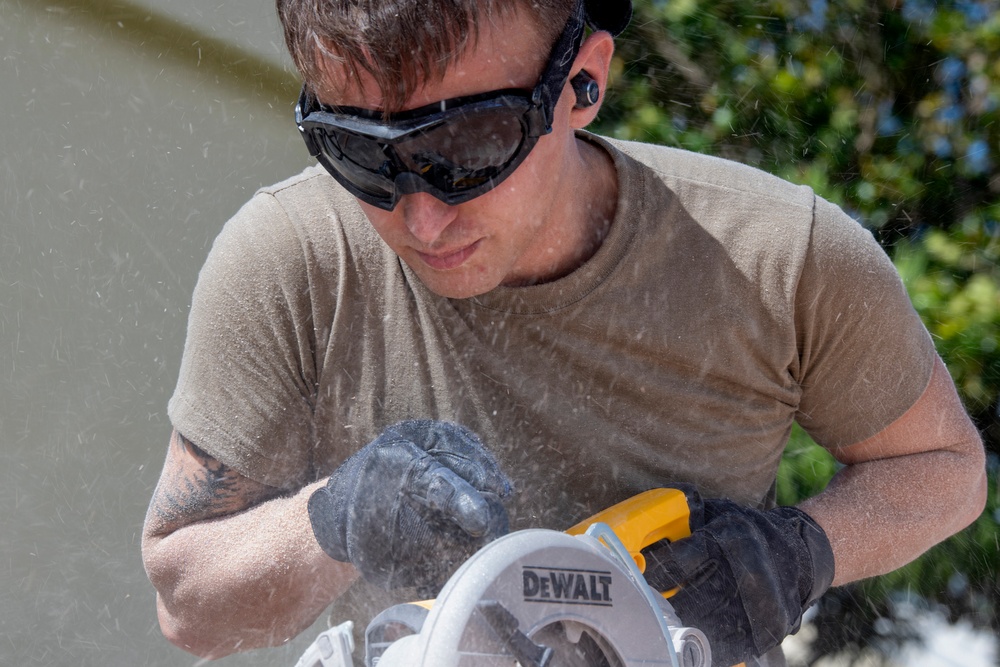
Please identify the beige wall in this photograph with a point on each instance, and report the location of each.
(124, 150)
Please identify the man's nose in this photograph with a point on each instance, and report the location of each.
(426, 216)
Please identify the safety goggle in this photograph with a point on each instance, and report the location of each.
(455, 150)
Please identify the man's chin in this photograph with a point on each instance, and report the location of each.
(456, 285)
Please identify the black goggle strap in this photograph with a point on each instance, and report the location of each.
(306, 105)
(556, 73)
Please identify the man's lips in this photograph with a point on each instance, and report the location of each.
(450, 259)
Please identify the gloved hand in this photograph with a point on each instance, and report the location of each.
(413, 504)
(745, 575)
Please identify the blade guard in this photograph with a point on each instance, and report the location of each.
(540, 577)
(588, 579)
(593, 558)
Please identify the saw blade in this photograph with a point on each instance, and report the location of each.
(574, 645)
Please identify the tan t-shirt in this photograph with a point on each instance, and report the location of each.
(724, 305)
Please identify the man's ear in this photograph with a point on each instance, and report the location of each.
(589, 77)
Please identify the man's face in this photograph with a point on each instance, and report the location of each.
(512, 234)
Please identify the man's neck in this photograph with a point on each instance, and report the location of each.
(583, 217)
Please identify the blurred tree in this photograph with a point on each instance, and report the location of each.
(889, 109)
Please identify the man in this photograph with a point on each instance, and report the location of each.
(600, 317)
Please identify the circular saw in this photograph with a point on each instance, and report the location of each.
(542, 598)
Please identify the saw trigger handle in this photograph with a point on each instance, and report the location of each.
(644, 519)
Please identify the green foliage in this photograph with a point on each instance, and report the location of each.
(886, 108)
(954, 282)
(805, 468)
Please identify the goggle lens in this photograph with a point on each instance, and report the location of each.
(473, 142)
(463, 152)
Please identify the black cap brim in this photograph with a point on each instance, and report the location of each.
(610, 15)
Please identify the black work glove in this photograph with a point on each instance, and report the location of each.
(745, 576)
(412, 505)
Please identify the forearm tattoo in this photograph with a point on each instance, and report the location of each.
(195, 486)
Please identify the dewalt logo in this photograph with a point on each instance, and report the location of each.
(565, 586)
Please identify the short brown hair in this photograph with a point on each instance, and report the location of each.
(400, 43)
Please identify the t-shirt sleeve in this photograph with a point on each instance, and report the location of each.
(864, 355)
(244, 393)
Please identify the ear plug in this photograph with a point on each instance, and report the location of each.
(586, 89)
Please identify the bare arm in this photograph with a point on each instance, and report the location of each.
(905, 489)
(234, 562)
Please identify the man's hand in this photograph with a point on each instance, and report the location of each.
(745, 576)
(412, 505)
